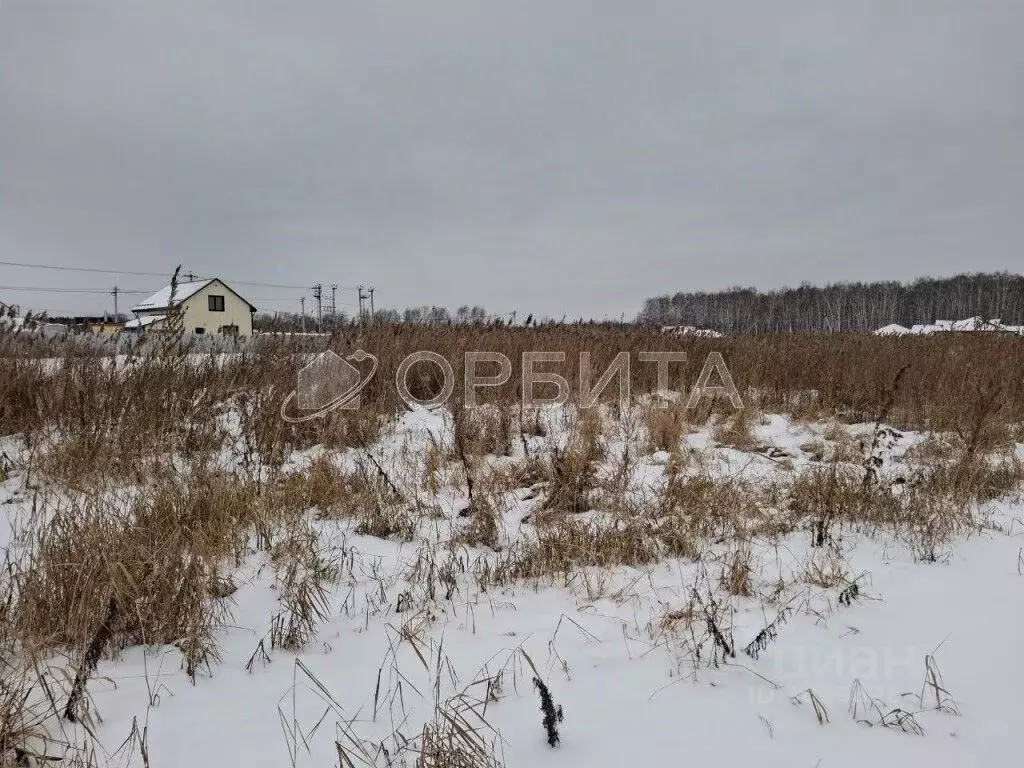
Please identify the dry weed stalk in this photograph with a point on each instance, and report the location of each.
(303, 578)
(665, 427)
(867, 710)
(820, 712)
(573, 470)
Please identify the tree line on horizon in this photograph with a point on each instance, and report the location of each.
(836, 307)
(422, 315)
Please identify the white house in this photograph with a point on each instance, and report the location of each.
(205, 307)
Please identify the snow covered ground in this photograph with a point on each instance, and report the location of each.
(839, 678)
(625, 697)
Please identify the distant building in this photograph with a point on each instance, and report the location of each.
(106, 327)
(690, 330)
(204, 307)
(969, 325)
(893, 329)
(103, 324)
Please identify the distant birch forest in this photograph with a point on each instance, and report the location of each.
(844, 306)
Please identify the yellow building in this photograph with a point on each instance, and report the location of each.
(107, 329)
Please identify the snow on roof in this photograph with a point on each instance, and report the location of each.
(162, 298)
(894, 329)
(690, 330)
(947, 326)
(976, 324)
(142, 322)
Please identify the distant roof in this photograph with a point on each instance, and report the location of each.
(950, 326)
(162, 298)
(690, 330)
(895, 329)
(142, 322)
(184, 291)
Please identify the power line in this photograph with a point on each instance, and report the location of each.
(275, 285)
(81, 269)
(64, 290)
(292, 301)
(154, 274)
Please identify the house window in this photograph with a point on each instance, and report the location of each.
(229, 330)
(216, 303)
(200, 331)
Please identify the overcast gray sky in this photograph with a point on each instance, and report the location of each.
(552, 157)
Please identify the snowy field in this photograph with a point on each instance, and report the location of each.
(889, 643)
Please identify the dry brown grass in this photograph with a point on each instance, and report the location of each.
(24, 718)
(482, 527)
(565, 545)
(737, 571)
(735, 430)
(705, 507)
(485, 430)
(106, 415)
(303, 578)
(572, 473)
(826, 568)
(333, 493)
(665, 427)
(122, 461)
(154, 553)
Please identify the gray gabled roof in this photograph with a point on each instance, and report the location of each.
(162, 298)
(183, 291)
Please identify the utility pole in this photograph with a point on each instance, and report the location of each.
(334, 302)
(362, 298)
(318, 291)
(302, 303)
(114, 294)
(373, 318)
